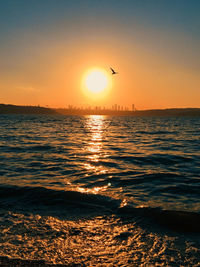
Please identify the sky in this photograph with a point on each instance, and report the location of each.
(47, 46)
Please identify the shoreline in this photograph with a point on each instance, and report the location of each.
(37, 110)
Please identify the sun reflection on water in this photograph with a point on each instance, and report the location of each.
(94, 190)
(95, 157)
(95, 125)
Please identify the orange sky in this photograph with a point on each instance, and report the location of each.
(43, 62)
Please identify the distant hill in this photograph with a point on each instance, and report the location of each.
(13, 109)
(169, 112)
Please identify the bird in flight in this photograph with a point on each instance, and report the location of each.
(113, 72)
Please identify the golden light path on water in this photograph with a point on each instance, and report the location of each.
(96, 126)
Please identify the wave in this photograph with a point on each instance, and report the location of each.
(167, 178)
(44, 196)
(27, 148)
(181, 221)
(156, 132)
(154, 159)
(38, 197)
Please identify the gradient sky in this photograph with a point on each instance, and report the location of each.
(47, 45)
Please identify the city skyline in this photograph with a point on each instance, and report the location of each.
(112, 107)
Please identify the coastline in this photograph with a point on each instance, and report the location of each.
(37, 110)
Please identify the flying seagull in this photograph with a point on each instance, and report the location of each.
(113, 72)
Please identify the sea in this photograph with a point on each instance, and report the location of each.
(100, 190)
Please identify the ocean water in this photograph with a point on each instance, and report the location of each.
(100, 190)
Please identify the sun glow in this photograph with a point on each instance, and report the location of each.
(96, 83)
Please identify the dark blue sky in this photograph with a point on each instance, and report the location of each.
(183, 15)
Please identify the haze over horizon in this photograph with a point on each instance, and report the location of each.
(47, 49)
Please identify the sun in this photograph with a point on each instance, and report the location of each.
(96, 83)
